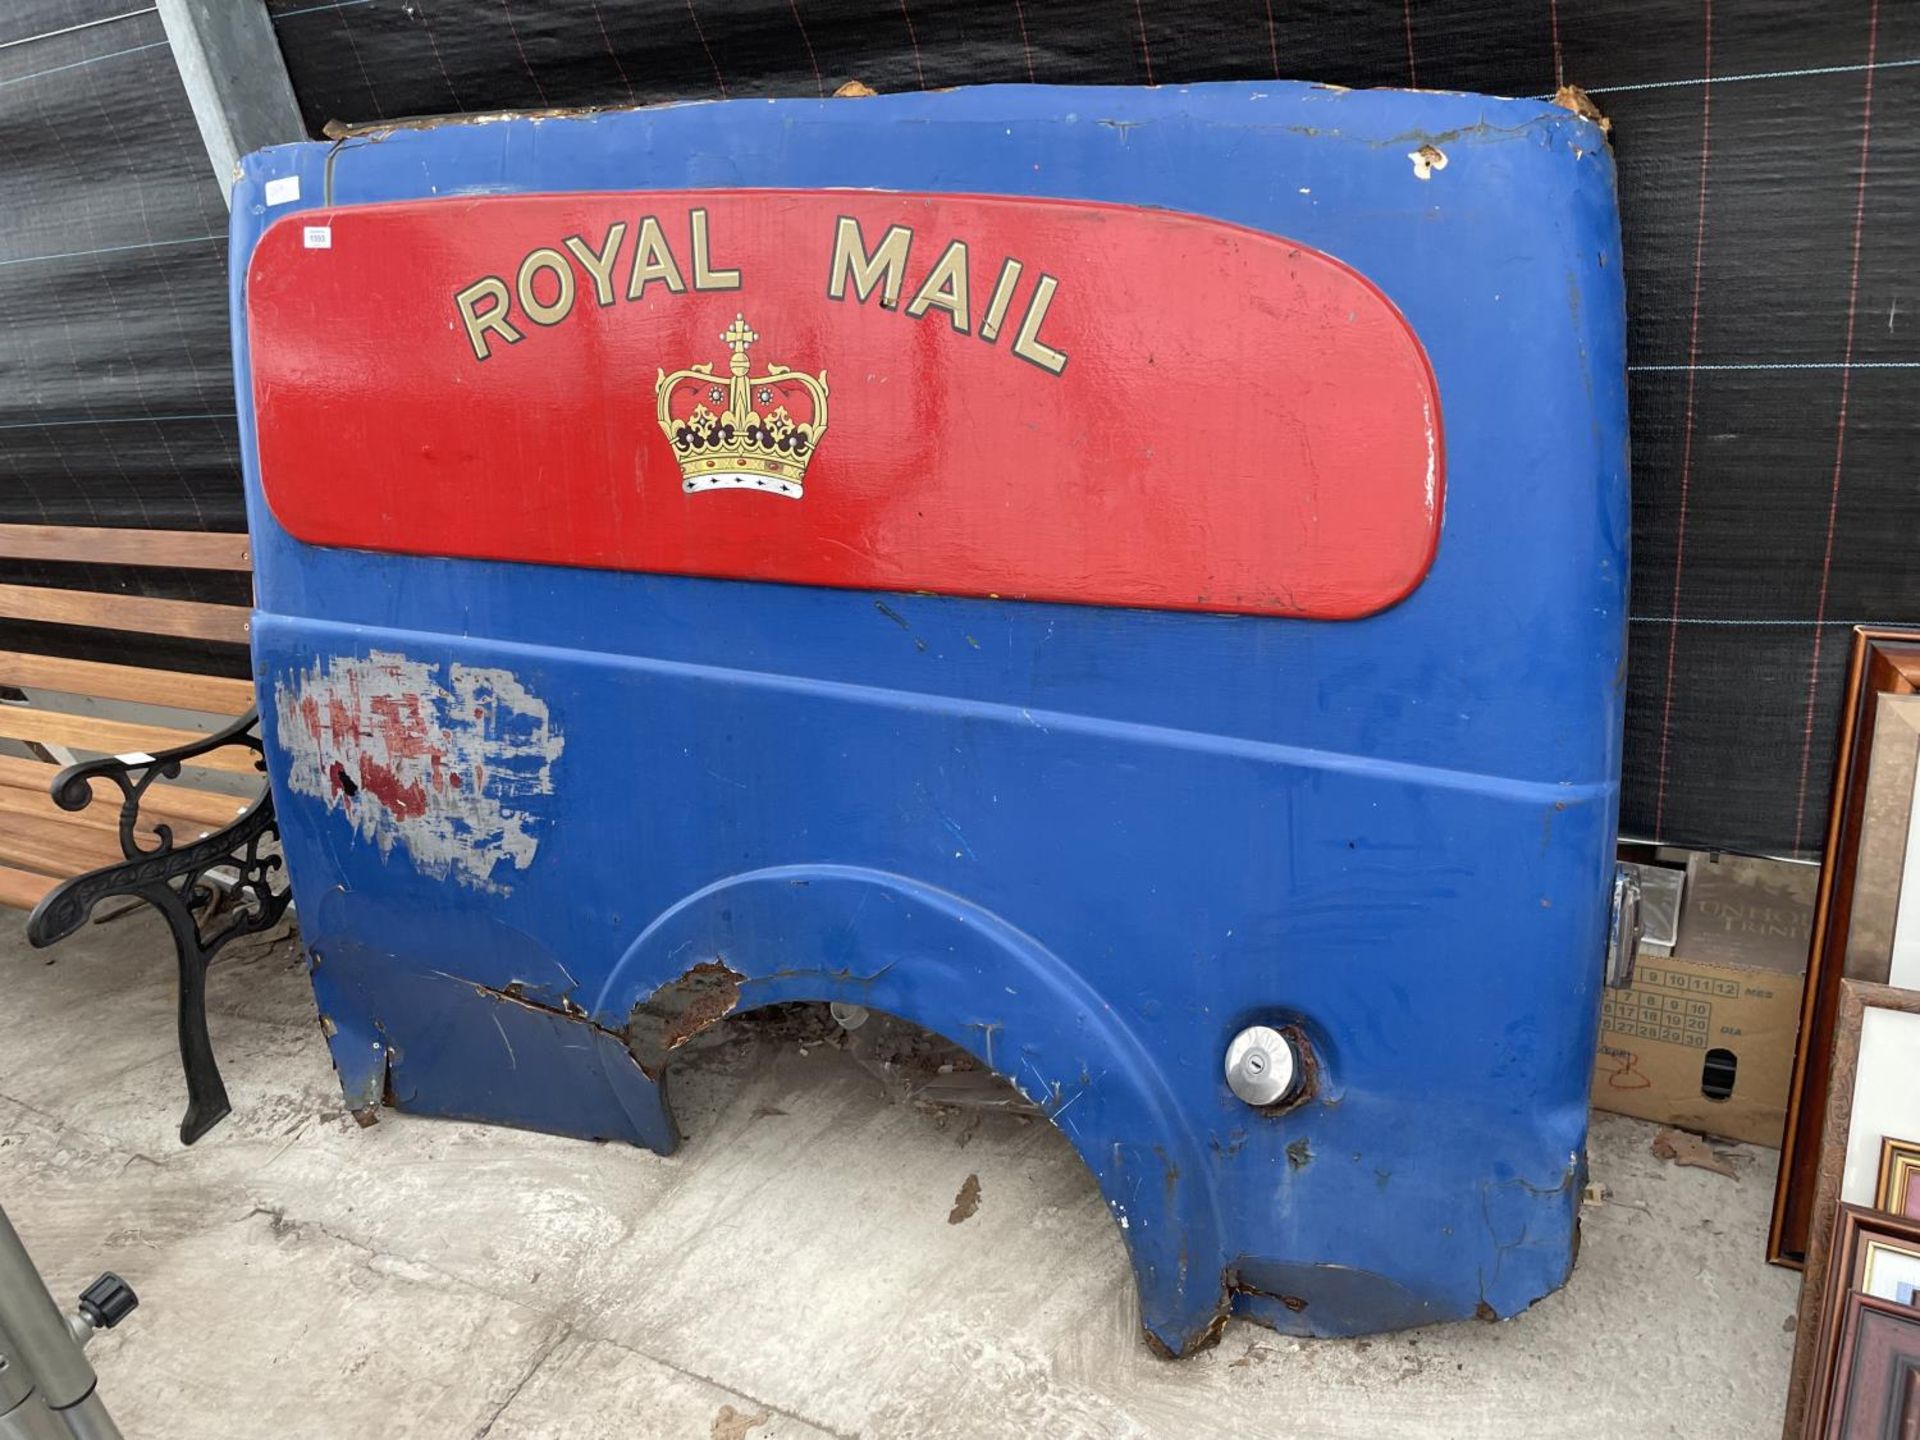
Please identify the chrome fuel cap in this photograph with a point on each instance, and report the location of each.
(1261, 1065)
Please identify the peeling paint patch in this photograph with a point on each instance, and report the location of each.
(436, 758)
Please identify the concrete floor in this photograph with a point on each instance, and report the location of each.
(792, 1272)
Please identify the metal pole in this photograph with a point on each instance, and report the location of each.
(236, 79)
(23, 1415)
(38, 1330)
(89, 1421)
(38, 1341)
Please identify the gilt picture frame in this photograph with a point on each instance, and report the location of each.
(1897, 1190)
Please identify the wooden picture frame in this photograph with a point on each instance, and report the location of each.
(1883, 662)
(1897, 1191)
(1874, 928)
(1839, 1228)
(1876, 1389)
(1819, 1346)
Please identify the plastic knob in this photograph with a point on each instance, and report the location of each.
(107, 1301)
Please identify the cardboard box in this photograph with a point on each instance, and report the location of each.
(1747, 911)
(1705, 1041)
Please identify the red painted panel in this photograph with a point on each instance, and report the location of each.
(1149, 409)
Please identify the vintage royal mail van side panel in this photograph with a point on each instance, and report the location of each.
(1088, 835)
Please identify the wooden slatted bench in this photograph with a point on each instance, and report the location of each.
(95, 805)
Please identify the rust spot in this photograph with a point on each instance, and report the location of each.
(1484, 1311)
(1205, 1339)
(367, 1116)
(678, 1011)
(1208, 1335)
(1426, 160)
(1307, 1086)
(1572, 97)
(514, 992)
(1299, 1154)
(1169, 1174)
(1231, 1284)
(660, 1024)
(967, 1202)
(388, 1096)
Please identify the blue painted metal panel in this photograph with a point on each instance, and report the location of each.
(1086, 844)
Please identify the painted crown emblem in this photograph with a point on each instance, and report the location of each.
(742, 431)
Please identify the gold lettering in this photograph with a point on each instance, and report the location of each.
(1002, 296)
(493, 288)
(705, 277)
(538, 311)
(851, 261)
(652, 261)
(945, 288)
(1028, 345)
(600, 266)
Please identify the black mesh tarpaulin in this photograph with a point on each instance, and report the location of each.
(1768, 186)
(116, 390)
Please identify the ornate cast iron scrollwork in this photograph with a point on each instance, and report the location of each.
(187, 882)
